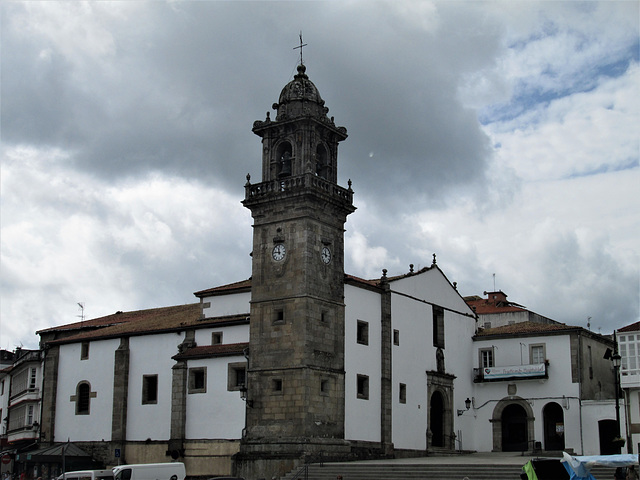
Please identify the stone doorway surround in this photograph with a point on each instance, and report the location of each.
(496, 421)
(441, 383)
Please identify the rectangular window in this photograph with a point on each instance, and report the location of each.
(149, 389)
(198, 380)
(216, 338)
(277, 385)
(362, 385)
(438, 326)
(84, 351)
(362, 333)
(236, 376)
(1, 389)
(536, 354)
(278, 315)
(32, 379)
(486, 358)
(396, 337)
(403, 393)
(29, 415)
(324, 387)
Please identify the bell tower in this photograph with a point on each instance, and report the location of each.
(295, 375)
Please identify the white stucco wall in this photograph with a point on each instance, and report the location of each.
(217, 413)
(412, 316)
(232, 304)
(592, 412)
(151, 355)
(233, 334)
(362, 417)
(537, 392)
(98, 371)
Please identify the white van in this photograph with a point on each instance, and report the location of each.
(88, 475)
(150, 471)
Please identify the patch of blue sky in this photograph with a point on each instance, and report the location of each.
(538, 93)
(606, 168)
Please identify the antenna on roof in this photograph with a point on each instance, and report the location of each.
(81, 305)
(589, 323)
(494, 282)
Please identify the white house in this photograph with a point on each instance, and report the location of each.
(628, 338)
(542, 386)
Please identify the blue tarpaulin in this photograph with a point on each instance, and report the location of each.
(578, 467)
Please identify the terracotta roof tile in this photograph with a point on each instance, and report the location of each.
(244, 285)
(523, 328)
(634, 327)
(209, 351)
(132, 323)
(485, 307)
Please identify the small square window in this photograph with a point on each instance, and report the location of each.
(236, 376)
(362, 385)
(149, 389)
(278, 315)
(362, 333)
(277, 385)
(396, 337)
(84, 351)
(198, 380)
(403, 393)
(216, 338)
(324, 387)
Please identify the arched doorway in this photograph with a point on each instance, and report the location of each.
(514, 429)
(553, 427)
(436, 419)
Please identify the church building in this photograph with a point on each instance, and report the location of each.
(299, 361)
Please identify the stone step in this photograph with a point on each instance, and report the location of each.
(397, 471)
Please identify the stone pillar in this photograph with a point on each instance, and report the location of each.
(49, 394)
(179, 400)
(385, 368)
(120, 394)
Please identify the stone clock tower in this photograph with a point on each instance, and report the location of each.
(295, 374)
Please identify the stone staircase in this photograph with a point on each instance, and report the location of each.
(426, 471)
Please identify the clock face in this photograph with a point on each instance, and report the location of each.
(278, 253)
(325, 255)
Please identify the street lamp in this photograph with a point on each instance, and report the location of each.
(615, 358)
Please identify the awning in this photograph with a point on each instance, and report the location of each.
(53, 454)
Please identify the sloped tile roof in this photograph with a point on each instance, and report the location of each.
(209, 351)
(242, 286)
(527, 328)
(634, 327)
(483, 306)
(141, 322)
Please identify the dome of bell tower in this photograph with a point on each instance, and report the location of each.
(300, 98)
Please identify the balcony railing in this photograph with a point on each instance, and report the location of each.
(296, 184)
(511, 372)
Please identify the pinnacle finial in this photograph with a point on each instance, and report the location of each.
(434, 260)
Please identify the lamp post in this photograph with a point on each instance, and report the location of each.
(616, 359)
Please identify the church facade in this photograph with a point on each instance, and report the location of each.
(297, 362)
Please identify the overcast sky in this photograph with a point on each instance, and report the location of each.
(502, 136)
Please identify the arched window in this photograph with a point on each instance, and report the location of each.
(83, 398)
(284, 159)
(323, 169)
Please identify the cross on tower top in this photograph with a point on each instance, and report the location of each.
(300, 47)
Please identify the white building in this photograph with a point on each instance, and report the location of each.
(628, 338)
(543, 387)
